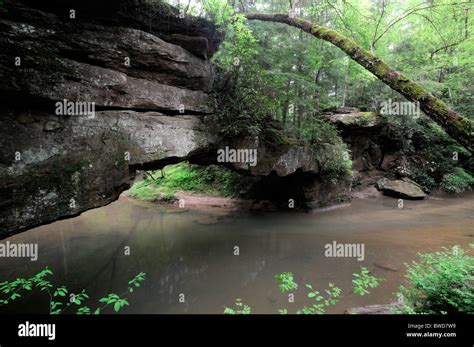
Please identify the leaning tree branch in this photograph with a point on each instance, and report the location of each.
(457, 126)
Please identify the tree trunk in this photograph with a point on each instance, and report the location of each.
(459, 127)
(284, 110)
(286, 104)
(346, 86)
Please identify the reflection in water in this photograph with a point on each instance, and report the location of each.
(192, 252)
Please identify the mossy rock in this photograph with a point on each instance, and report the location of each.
(356, 119)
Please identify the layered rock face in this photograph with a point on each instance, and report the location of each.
(130, 99)
(292, 175)
(93, 91)
(364, 132)
(377, 162)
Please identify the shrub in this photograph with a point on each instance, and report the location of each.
(319, 301)
(422, 177)
(332, 153)
(442, 282)
(240, 308)
(457, 181)
(60, 298)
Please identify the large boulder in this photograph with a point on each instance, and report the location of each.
(403, 188)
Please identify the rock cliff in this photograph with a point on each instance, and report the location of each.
(93, 91)
(149, 97)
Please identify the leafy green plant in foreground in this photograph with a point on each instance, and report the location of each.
(59, 300)
(286, 282)
(240, 308)
(322, 300)
(363, 281)
(441, 282)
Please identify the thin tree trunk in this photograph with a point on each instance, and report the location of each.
(286, 104)
(301, 108)
(316, 94)
(284, 110)
(346, 87)
(460, 128)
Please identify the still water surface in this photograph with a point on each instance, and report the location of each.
(192, 252)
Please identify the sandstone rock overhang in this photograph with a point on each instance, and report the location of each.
(149, 113)
(197, 35)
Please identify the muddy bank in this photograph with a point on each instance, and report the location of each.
(194, 201)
